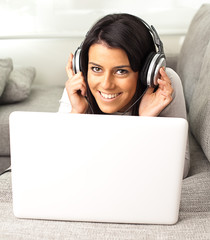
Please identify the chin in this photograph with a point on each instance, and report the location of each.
(108, 110)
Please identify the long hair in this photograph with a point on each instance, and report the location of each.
(122, 31)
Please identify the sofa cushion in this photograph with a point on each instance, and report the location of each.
(5, 163)
(193, 50)
(196, 193)
(42, 98)
(18, 86)
(199, 162)
(6, 66)
(193, 225)
(199, 111)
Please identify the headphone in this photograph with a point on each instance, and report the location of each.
(154, 61)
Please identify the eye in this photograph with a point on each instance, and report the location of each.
(96, 69)
(122, 71)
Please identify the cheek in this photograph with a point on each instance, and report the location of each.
(131, 85)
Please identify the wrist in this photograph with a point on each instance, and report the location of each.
(76, 111)
(72, 111)
(146, 114)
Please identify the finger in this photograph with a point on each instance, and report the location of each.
(80, 88)
(77, 78)
(76, 86)
(149, 91)
(69, 69)
(160, 84)
(164, 85)
(165, 91)
(81, 85)
(84, 91)
(164, 75)
(167, 97)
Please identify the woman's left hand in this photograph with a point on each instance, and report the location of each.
(152, 102)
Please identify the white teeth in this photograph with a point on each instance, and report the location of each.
(109, 96)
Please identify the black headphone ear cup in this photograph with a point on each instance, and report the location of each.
(144, 71)
(76, 61)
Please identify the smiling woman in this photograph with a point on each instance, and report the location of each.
(118, 62)
(113, 86)
(111, 44)
(120, 69)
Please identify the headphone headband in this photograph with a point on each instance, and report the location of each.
(150, 70)
(155, 36)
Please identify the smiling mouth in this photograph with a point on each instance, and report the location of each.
(109, 96)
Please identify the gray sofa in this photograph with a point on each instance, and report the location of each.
(193, 66)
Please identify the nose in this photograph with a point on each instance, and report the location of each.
(108, 81)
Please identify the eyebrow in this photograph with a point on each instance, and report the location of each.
(121, 66)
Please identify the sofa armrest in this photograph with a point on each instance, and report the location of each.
(171, 61)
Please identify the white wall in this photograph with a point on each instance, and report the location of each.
(42, 33)
(48, 56)
(46, 18)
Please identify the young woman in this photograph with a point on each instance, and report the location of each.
(115, 60)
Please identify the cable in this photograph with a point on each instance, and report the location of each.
(135, 101)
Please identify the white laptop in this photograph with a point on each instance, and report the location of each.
(99, 168)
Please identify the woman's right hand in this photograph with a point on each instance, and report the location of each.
(76, 89)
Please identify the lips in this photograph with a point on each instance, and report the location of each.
(109, 96)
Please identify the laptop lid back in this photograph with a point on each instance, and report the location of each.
(98, 168)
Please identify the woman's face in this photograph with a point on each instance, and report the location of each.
(111, 78)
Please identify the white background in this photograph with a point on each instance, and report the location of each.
(73, 18)
(42, 33)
